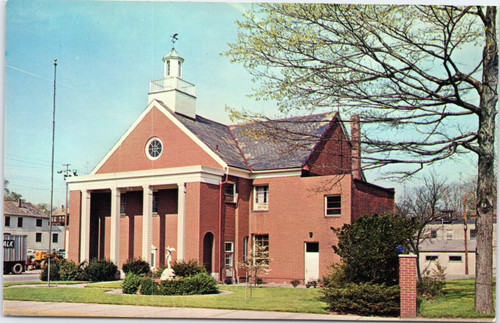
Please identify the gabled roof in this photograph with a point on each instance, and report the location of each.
(11, 208)
(246, 147)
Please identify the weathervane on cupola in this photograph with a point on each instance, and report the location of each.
(174, 39)
(178, 95)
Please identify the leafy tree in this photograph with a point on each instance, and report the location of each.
(400, 67)
(368, 247)
(10, 195)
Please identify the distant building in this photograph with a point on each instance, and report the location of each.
(214, 192)
(446, 245)
(23, 218)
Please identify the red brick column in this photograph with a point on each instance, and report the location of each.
(408, 285)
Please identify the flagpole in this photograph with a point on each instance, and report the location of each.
(52, 173)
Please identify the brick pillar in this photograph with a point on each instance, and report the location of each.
(408, 285)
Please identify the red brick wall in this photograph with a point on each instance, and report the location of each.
(74, 225)
(369, 199)
(209, 220)
(242, 222)
(332, 155)
(178, 149)
(296, 207)
(408, 285)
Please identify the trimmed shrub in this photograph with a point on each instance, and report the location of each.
(312, 283)
(365, 299)
(100, 270)
(70, 270)
(189, 268)
(149, 287)
(198, 284)
(157, 273)
(131, 283)
(136, 266)
(54, 270)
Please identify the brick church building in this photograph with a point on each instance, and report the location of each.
(212, 192)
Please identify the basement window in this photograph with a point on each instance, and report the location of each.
(333, 205)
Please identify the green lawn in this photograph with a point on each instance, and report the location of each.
(263, 299)
(458, 302)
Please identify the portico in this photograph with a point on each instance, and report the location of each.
(112, 204)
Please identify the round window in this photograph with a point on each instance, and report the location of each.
(154, 148)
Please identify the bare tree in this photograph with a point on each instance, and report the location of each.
(423, 78)
(426, 204)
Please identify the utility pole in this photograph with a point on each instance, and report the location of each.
(52, 172)
(465, 239)
(67, 173)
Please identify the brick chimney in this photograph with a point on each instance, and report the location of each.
(19, 202)
(356, 147)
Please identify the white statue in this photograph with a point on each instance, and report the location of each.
(168, 273)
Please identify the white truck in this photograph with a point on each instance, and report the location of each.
(14, 254)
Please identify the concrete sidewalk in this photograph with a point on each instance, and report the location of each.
(21, 308)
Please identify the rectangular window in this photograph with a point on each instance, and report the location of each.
(19, 222)
(229, 254)
(261, 198)
(455, 258)
(261, 249)
(230, 193)
(433, 234)
(155, 202)
(38, 237)
(473, 234)
(333, 205)
(449, 234)
(431, 258)
(123, 203)
(55, 237)
(38, 222)
(7, 221)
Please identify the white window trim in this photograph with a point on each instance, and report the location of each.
(235, 195)
(146, 149)
(326, 206)
(229, 253)
(260, 206)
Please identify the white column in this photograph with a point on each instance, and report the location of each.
(114, 250)
(181, 220)
(147, 222)
(85, 227)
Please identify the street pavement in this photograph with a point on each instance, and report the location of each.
(50, 309)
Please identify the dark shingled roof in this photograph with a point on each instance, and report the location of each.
(216, 136)
(284, 143)
(244, 146)
(27, 209)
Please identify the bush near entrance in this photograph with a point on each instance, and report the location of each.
(95, 270)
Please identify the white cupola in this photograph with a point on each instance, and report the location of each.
(177, 94)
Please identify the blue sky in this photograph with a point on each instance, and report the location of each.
(107, 53)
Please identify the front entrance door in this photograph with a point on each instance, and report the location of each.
(311, 261)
